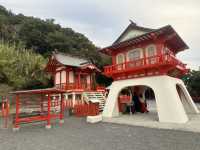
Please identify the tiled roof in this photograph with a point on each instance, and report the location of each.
(132, 26)
(70, 60)
(176, 41)
(58, 59)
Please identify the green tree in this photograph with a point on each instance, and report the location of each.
(21, 68)
(192, 81)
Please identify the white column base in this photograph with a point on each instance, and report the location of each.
(61, 121)
(169, 105)
(15, 129)
(48, 126)
(94, 119)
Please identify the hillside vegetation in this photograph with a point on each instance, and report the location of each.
(21, 68)
(44, 36)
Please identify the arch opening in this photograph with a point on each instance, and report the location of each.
(138, 101)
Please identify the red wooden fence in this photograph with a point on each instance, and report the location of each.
(82, 109)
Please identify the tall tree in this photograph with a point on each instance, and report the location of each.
(192, 81)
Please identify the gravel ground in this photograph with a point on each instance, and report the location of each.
(76, 134)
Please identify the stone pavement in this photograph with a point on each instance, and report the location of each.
(76, 134)
(151, 120)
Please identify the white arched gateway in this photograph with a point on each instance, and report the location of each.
(170, 100)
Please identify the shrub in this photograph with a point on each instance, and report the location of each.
(20, 68)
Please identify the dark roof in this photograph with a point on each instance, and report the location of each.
(59, 59)
(132, 26)
(172, 38)
(69, 60)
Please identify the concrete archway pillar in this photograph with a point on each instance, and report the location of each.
(111, 107)
(186, 99)
(169, 105)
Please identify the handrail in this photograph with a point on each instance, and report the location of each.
(144, 62)
(70, 86)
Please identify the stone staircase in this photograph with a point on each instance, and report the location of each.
(95, 97)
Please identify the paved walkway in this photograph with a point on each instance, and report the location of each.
(151, 120)
(76, 134)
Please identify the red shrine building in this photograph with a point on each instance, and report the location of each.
(74, 89)
(146, 58)
(72, 73)
(76, 76)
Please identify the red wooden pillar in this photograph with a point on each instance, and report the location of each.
(113, 59)
(41, 104)
(48, 126)
(6, 112)
(61, 79)
(90, 81)
(2, 107)
(159, 47)
(54, 78)
(67, 78)
(79, 80)
(62, 109)
(125, 60)
(17, 112)
(144, 56)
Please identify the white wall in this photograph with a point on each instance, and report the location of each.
(131, 34)
(169, 105)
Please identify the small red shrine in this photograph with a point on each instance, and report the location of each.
(71, 73)
(77, 77)
(74, 89)
(146, 58)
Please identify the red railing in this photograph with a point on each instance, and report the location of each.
(74, 86)
(82, 110)
(71, 86)
(144, 63)
(100, 88)
(124, 99)
(174, 61)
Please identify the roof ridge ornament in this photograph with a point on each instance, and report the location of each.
(133, 23)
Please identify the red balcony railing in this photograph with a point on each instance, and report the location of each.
(100, 88)
(154, 61)
(72, 86)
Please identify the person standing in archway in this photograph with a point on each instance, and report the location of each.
(136, 102)
(143, 106)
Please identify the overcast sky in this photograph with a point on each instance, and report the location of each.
(102, 21)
